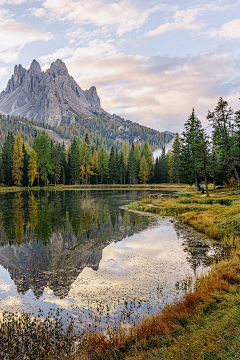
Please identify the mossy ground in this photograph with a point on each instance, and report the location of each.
(204, 325)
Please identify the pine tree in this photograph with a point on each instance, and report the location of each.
(103, 165)
(18, 156)
(132, 167)
(191, 150)
(112, 167)
(176, 164)
(56, 162)
(44, 156)
(163, 166)
(74, 162)
(7, 159)
(224, 125)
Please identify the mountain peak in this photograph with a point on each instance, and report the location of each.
(59, 66)
(51, 97)
(35, 66)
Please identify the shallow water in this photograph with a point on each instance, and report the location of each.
(82, 252)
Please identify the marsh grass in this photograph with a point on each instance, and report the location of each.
(204, 325)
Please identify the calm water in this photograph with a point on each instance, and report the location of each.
(81, 252)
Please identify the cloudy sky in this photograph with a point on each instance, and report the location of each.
(151, 62)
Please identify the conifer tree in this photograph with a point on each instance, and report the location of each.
(74, 162)
(132, 167)
(191, 150)
(143, 170)
(85, 162)
(95, 167)
(112, 167)
(18, 156)
(32, 167)
(224, 125)
(25, 165)
(176, 164)
(56, 162)
(103, 165)
(44, 156)
(7, 159)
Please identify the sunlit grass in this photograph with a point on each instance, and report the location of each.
(204, 325)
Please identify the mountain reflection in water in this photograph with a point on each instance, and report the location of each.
(64, 249)
(47, 239)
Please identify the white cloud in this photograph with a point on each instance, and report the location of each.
(147, 90)
(183, 20)
(123, 14)
(14, 36)
(229, 30)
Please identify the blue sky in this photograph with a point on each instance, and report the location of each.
(151, 62)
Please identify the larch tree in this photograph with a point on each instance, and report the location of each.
(32, 167)
(18, 164)
(143, 170)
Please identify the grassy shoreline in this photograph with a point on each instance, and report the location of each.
(206, 323)
(166, 187)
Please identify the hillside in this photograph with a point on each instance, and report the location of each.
(54, 101)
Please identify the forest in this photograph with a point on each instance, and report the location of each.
(195, 157)
(100, 127)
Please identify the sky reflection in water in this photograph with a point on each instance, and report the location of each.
(78, 250)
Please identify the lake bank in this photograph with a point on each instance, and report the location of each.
(148, 339)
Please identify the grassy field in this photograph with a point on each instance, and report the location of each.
(204, 325)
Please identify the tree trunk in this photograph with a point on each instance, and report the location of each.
(196, 181)
(236, 175)
(206, 184)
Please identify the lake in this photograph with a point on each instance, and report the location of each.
(82, 252)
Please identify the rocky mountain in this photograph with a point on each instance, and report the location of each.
(49, 97)
(56, 102)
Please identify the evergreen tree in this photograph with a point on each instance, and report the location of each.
(224, 125)
(132, 167)
(74, 162)
(170, 166)
(56, 162)
(163, 167)
(191, 150)
(112, 167)
(44, 156)
(63, 162)
(176, 164)
(18, 156)
(7, 159)
(157, 172)
(103, 165)
(125, 154)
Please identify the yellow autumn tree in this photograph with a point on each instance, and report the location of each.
(18, 164)
(32, 166)
(144, 170)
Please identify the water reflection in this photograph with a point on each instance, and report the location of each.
(80, 250)
(49, 238)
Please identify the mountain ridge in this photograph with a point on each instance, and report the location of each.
(54, 99)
